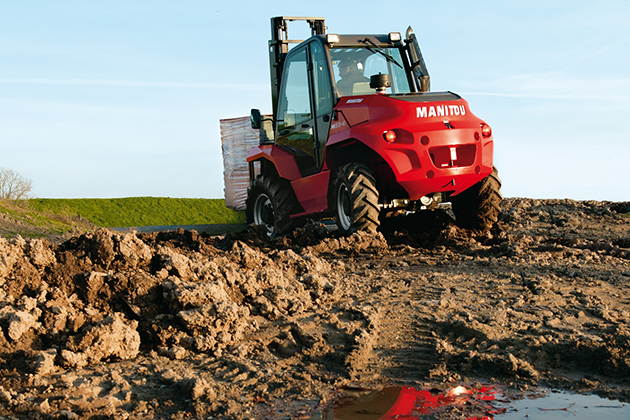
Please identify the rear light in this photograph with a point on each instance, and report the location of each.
(389, 136)
(486, 131)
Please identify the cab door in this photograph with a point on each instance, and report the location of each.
(305, 107)
(295, 129)
(322, 98)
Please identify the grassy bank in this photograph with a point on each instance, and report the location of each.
(141, 211)
(19, 218)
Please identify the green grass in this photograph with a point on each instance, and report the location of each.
(32, 218)
(141, 211)
(18, 218)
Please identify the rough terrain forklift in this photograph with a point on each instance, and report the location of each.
(358, 135)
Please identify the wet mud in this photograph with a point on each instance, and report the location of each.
(182, 325)
(460, 402)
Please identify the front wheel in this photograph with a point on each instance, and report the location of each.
(479, 206)
(270, 201)
(356, 199)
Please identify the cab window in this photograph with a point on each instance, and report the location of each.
(294, 105)
(353, 67)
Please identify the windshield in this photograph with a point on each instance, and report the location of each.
(353, 67)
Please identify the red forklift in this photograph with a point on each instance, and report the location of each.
(359, 135)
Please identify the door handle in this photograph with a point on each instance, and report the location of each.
(305, 125)
(283, 132)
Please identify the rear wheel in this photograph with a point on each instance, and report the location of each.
(356, 199)
(270, 201)
(479, 206)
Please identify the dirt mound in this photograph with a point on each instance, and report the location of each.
(177, 324)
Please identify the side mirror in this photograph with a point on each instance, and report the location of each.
(256, 119)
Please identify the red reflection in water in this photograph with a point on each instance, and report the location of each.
(475, 403)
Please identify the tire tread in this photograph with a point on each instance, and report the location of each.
(479, 206)
(364, 196)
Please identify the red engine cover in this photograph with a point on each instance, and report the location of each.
(439, 146)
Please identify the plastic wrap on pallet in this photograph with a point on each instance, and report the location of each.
(237, 137)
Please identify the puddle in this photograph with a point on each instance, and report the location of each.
(563, 405)
(467, 403)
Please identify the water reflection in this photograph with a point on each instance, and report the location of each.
(461, 402)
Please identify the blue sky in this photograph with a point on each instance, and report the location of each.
(123, 98)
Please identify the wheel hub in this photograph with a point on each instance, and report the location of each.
(264, 214)
(343, 207)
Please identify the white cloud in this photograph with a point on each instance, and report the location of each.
(556, 85)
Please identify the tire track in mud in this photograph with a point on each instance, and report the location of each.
(406, 347)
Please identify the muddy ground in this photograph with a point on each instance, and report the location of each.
(176, 325)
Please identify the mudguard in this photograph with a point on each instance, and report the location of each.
(311, 191)
(282, 160)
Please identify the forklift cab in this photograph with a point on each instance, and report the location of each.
(311, 84)
(307, 81)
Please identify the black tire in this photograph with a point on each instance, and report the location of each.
(355, 199)
(270, 201)
(479, 206)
